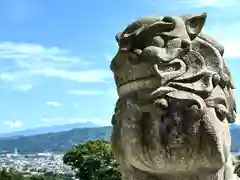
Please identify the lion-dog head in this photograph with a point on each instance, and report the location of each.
(175, 96)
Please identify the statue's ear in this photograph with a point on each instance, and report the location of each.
(194, 24)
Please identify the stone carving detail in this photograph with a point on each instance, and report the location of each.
(175, 102)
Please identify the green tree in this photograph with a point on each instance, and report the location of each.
(4, 175)
(14, 175)
(10, 175)
(237, 165)
(93, 160)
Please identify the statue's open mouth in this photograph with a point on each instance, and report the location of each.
(134, 77)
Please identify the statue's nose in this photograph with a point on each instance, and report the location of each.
(115, 64)
(120, 60)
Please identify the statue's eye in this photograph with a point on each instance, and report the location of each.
(133, 59)
(158, 41)
(168, 19)
(221, 112)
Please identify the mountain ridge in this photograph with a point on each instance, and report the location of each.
(54, 142)
(48, 129)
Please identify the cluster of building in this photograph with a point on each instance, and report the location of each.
(40, 163)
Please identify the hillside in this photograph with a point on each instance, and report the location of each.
(56, 142)
(62, 141)
(50, 129)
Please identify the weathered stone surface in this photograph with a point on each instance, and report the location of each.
(175, 102)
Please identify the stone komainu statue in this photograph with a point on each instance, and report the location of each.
(175, 102)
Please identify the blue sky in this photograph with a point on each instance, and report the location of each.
(55, 55)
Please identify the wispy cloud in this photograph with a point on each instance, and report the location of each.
(23, 63)
(55, 104)
(75, 104)
(22, 87)
(176, 6)
(226, 34)
(89, 76)
(209, 3)
(69, 120)
(109, 57)
(91, 92)
(237, 119)
(13, 124)
(86, 92)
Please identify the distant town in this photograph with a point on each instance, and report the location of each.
(35, 164)
(24, 154)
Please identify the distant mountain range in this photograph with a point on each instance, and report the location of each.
(50, 129)
(62, 141)
(54, 142)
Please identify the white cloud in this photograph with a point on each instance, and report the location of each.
(24, 63)
(227, 35)
(22, 87)
(49, 119)
(75, 104)
(237, 119)
(113, 93)
(209, 3)
(25, 87)
(109, 57)
(83, 76)
(109, 93)
(86, 92)
(13, 124)
(55, 104)
(70, 120)
(93, 120)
